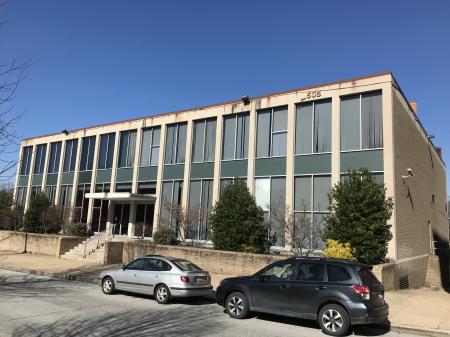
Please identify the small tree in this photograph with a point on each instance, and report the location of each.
(359, 214)
(237, 223)
(34, 216)
(7, 218)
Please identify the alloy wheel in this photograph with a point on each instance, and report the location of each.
(107, 285)
(236, 305)
(332, 320)
(161, 294)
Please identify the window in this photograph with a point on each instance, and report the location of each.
(34, 191)
(55, 153)
(175, 144)
(106, 153)
(127, 148)
(311, 206)
(367, 277)
(313, 128)
(170, 201)
(279, 271)
(235, 136)
(204, 141)
(150, 146)
(82, 203)
(65, 197)
(26, 160)
(310, 272)
(39, 160)
(271, 139)
(70, 155)
(338, 273)
(124, 187)
(224, 182)
(87, 153)
(186, 265)
(100, 208)
(50, 192)
(138, 264)
(361, 122)
(157, 265)
(144, 219)
(200, 203)
(147, 187)
(270, 195)
(21, 197)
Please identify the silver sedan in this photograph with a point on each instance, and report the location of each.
(161, 276)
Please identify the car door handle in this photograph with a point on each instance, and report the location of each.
(285, 286)
(321, 287)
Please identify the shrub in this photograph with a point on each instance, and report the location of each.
(164, 236)
(237, 223)
(359, 214)
(76, 229)
(32, 221)
(337, 250)
(7, 213)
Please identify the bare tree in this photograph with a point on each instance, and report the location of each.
(11, 75)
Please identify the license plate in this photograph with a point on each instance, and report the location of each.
(201, 279)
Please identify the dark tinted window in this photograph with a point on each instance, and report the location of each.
(367, 276)
(185, 265)
(338, 274)
(279, 271)
(157, 265)
(136, 265)
(312, 272)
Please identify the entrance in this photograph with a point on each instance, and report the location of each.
(121, 219)
(144, 220)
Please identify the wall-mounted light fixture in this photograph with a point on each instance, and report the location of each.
(431, 136)
(409, 173)
(245, 100)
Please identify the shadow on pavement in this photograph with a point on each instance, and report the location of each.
(173, 322)
(187, 301)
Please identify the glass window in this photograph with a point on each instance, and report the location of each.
(50, 192)
(175, 144)
(262, 193)
(65, 197)
(87, 153)
(368, 277)
(39, 162)
(322, 127)
(138, 264)
(127, 148)
(235, 136)
(310, 272)
(81, 203)
(70, 155)
(123, 187)
(170, 200)
(150, 146)
(26, 160)
(204, 142)
(338, 273)
(322, 186)
(21, 197)
(302, 196)
(271, 138)
(186, 265)
(361, 122)
(304, 128)
(147, 187)
(106, 153)
(279, 271)
(55, 153)
(200, 203)
(156, 265)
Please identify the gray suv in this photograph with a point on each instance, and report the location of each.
(161, 276)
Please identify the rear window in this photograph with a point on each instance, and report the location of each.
(367, 276)
(338, 274)
(185, 265)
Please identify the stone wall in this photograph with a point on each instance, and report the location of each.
(385, 272)
(45, 244)
(113, 252)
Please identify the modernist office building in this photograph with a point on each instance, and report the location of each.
(290, 146)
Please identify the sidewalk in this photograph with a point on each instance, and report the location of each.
(419, 311)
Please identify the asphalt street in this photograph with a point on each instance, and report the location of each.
(33, 305)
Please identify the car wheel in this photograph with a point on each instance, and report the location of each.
(108, 287)
(334, 320)
(162, 294)
(237, 305)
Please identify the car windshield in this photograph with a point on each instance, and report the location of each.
(186, 265)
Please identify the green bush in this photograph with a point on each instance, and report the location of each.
(359, 214)
(32, 221)
(76, 229)
(7, 212)
(164, 236)
(237, 223)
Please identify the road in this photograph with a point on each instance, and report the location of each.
(33, 305)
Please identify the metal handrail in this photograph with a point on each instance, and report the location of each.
(98, 234)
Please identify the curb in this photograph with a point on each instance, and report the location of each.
(94, 280)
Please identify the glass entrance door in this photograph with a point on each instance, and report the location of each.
(144, 220)
(121, 219)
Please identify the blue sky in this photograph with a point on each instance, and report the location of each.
(103, 61)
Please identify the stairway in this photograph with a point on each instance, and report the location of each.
(88, 250)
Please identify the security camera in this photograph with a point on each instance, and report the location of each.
(410, 172)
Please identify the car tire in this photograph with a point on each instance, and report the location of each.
(334, 320)
(237, 305)
(108, 287)
(162, 294)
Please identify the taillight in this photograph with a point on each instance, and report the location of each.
(185, 279)
(362, 290)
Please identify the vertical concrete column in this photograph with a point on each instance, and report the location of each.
(335, 139)
(16, 184)
(132, 219)
(44, 173)
(113, 182)
(76, 175)
(290, 160)
(187, 171)
(93, 179)
(60, 168)
(218, 156)
(30, 177)
(137, 155)
(159, 178)
(389, 160)
(251, 148)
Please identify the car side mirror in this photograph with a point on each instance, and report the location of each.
(123, 267)
(262, 278)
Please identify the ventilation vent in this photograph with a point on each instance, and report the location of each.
(404, 282)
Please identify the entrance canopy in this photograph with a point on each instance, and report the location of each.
(123, 197)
